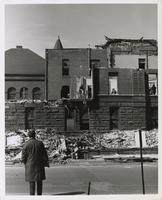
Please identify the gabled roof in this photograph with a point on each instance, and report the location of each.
(58, 44)
(23, 61)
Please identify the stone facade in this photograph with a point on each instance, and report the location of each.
(34, 115)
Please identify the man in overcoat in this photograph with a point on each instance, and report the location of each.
(35, 158)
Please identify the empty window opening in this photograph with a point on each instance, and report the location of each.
(70, 119)
(89, 91)
(24, 93)
(141, 63)
(113, 84)
(36, 93)
(84, 120)
(65, 67)
(65, 91)
(114, 118)
(11, 94)
(152, 79)
(154, 117)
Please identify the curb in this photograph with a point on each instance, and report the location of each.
(99, 161)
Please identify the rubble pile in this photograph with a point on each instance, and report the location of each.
(118, 139)
(61, 146)
(55, 103)
(14, 144)
(152, 138)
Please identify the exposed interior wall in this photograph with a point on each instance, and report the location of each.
(153, 62)
(127, 61)
(131, 61)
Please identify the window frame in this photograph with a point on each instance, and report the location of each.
(142, 61)
(33, 94)
(114, 117)
(67, 87)
(9, 93)
(65, 67)
(111, 76)
(25, 94)
(84, 120)
(153, 82)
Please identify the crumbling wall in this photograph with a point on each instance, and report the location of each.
(125, 53)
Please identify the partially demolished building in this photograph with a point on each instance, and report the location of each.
(114, 86)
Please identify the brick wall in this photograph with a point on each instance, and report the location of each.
(79, 61)
(14, 116)
(34, 115)
(131, 114)
(132, 117)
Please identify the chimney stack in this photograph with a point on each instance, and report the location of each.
(19, 47)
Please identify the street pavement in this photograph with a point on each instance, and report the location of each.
(111, 178)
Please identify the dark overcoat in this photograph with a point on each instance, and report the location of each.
(35, 158)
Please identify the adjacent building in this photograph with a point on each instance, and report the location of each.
(24, 74)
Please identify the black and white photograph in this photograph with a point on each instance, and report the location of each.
(81, 99)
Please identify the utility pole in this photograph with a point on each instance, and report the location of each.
(46, 75)
(142, 172)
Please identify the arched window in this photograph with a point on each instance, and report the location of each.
(24, 93)
(11, 94)
(36, 94)
(65, 91)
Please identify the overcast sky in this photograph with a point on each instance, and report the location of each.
(37, 26)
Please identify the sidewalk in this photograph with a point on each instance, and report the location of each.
(100, 160)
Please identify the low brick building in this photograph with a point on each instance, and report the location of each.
(111, 87)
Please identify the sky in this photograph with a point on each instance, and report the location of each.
(37, 26)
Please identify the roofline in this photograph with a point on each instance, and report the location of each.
(24, 49)
(116, 40)
(73, 49)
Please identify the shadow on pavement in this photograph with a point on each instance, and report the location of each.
(70, 193)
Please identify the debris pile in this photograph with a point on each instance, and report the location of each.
(152, 138)
(60, 146)
(55, 103)
(118, 139)
(14, 144)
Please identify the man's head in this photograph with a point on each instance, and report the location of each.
(31, 133)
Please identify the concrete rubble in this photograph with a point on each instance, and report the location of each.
(63, 147)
